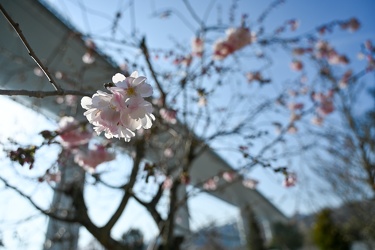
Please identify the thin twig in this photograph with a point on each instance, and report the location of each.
(146, 54)
(36, 206)
(42, 94)
(29, 49)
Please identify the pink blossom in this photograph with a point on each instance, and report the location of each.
(334, 58)
(92, 158)
(236, 39)
(197, 45)
(290, 180)
(169, 115)
(352, 25)
(292, 129)
(168, 182)
(51, 177)
(168, 152)
(296, 65)
(211, 184)
(345, 79)
(88, 58)
(119, 113)
(294, 117)
(38, 72)
(326, 107)
(317, 120)
(325, 102)
(301, 51)
(294, 24)
(369, 46)
(229, 176)
(296, 106)
(250, 183)
(72, 133)
(133, 86)
(254, 76)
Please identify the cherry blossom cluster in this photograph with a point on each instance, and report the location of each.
(91, 158)
(75, 137)
(122, 111)
(236, 39)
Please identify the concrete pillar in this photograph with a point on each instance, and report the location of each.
(63, 235)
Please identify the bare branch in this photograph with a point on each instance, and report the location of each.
(128, 187)
(146, 54)
(36, 206)
(42, 94)
(29, 49)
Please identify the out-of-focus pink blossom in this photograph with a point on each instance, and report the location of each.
(88, 58)
(168, 182)
(326, 107)
(92, 158)
(317, 120)
(254, 76)
(168, 152)
(38, 72)
(229, 176)
(294, 117)
(345, 79)
(290, 180)
(295, 106)
(296, 65)
(352, 25)
(325, 102)
(370, 63)
(169, 115)
(250, 183)
(301, 51)
(72, 133)
(51, 177)
(185, 178)
(292, 129)
(368, 45)
(334, 58)
(183, 60)
(236, 39)
(197, 46)
(211, 184)
(294, 24)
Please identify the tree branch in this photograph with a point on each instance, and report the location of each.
(42, 94)
(146, 54)
(36, 206)
(29, 49)
(128, 187)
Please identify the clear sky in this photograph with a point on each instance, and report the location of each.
(94, 18)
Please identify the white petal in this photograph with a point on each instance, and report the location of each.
(86, 102)
(139, 80)
(134, 74)
(118, 78)
(145, 90)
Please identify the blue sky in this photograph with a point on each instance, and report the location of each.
(158, 32)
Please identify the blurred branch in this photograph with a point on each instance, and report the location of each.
(128, 187)
(36, 206)
(41, 94)
(30, 50)
(146, 54)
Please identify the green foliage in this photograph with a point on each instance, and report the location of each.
(286, 236)
(327, 235)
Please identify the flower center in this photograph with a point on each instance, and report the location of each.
(131, 91)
